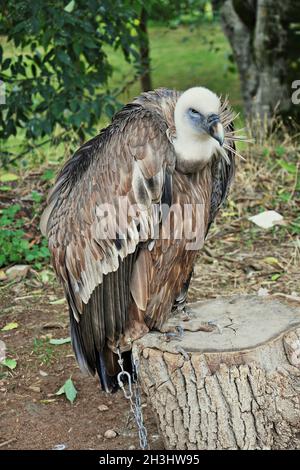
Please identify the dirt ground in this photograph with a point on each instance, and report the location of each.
(31, 415)
(238, 258)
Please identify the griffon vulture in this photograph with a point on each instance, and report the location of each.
(129, 212)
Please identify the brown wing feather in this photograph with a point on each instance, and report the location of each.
(129, 159)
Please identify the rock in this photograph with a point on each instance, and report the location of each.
(17, 271)
(102, 408)
(110, 434)
(262, 292)
(43, 373)
(131, 448)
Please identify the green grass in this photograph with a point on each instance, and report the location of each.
(180, 58)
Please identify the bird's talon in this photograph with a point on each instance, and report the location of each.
(216, 326)
(180, 331)
(176, 334)
(186, 314)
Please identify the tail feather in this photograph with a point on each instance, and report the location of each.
(104, 362)
(109, 383)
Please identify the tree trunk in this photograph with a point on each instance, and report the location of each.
(236, 387)
(146, 82)
(258, 31)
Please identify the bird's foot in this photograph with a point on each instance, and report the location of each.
(186, 313)
(175, 333)
(170, 333)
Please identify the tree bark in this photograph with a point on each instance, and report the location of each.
(236, 387)
(258, 31)
(146, 82)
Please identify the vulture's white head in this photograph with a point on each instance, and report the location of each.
(199, 132)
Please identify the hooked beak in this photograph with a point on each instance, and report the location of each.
(216, 129)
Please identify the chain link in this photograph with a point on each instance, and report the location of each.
(133, 394)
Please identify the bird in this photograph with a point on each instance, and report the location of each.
(128, 214)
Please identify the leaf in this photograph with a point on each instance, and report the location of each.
(58, 301)
(5, 188)
(69, 390)
(280, 151)
(10, 363)
(289, 167)
(271, 260)
(70, 7)
(266, 219)
(63, 57)
(8, 177)
(48, 175)
(36, 197)
(60, 341)
(6, 64)
(10, 326)
(275, 277)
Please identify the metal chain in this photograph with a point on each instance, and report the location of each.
(133, 394)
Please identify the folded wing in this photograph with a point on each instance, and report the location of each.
(101, 209)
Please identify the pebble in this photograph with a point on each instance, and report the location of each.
(131, 447)
(102, 408)
(110, 434)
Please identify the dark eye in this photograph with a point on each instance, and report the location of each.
(193, 111)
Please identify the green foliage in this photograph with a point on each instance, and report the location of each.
(10, 326)
(8, 178)
(15, 247)
(10, 363)
(43, 350)
(284, 194)
(68, 389)
(58, 71)
(48, 175)
(177, 12)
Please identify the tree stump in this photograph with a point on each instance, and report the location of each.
(236, 387)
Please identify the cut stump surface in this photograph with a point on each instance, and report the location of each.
(235, 387)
